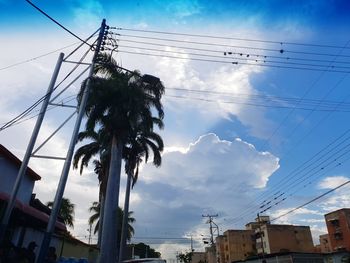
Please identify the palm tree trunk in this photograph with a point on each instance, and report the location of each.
(100, 221)
(125, 219)
(109, 249)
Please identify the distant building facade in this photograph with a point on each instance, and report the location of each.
(238, 245)
(198, 257)
(272, 238)
(338, 226)
(220, 248)
(325, 246)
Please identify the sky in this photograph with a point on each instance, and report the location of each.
(266, 122)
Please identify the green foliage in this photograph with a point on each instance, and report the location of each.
(145, 251)
(95, 219)
(66, 211)
(185, 257)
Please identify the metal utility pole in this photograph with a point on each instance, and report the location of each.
(90, 230)
(211, 222)
(30, 147)
(67, 164)
(192, 244)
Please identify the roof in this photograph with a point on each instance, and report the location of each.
(336, 211)
(32, 211)
(11, 157)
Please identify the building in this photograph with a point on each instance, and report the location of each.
(238, 245)
(198, 257)
(220, 248)
(210, 254)
(325, 246)
(338, 226)
(272, 238)
(30, 216)
(297, 257)
(289, 257)
(10, 164)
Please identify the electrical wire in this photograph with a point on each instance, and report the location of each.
(249, 104)
(228, 53)
(227, 38)
(281, 51)
(227, 62)
(58, 23)
(311, 201)
(35, 58)
(320, 157)
(239, 58)
(33, 106)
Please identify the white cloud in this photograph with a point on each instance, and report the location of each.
(332, 182)
(209, 175)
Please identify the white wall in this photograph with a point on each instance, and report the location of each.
(8, 174)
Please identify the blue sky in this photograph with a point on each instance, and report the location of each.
(219, 156)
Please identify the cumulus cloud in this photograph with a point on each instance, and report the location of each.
(209, 175)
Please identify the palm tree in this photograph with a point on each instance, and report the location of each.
(139, 146)
(97, 146)
(118, 103)
(94, 219)
(66, 211)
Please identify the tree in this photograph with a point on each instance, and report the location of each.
(139, 146)
(94, 220)
(185, 257)
(118, 103)
(98, 145)
(66, 211)
(145, 251)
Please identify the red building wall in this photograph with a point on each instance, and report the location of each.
(338, 226)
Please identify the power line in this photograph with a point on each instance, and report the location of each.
(317, 159)
(250, 104)
(227, 38)
(35, 58)
(281, 51)
(232, 63)
(329, 103)
(58, 23)
(229, 53)
(236, 58)
(312, 200)
(26, 112)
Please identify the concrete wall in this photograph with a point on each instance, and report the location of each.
(239, 244)
(220, 248)
(280, 238)
(325, 245)
(8, 175)
(338, 226)
(75, 249)
(198, 257)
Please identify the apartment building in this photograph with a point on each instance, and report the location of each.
(238, 244)
(272, 238)
(325, 246)
(338, 226)
(220, 248)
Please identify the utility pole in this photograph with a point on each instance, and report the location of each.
(90, 230)
(192, 244)
(67, 164)
(30, 147)
(211, 222)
